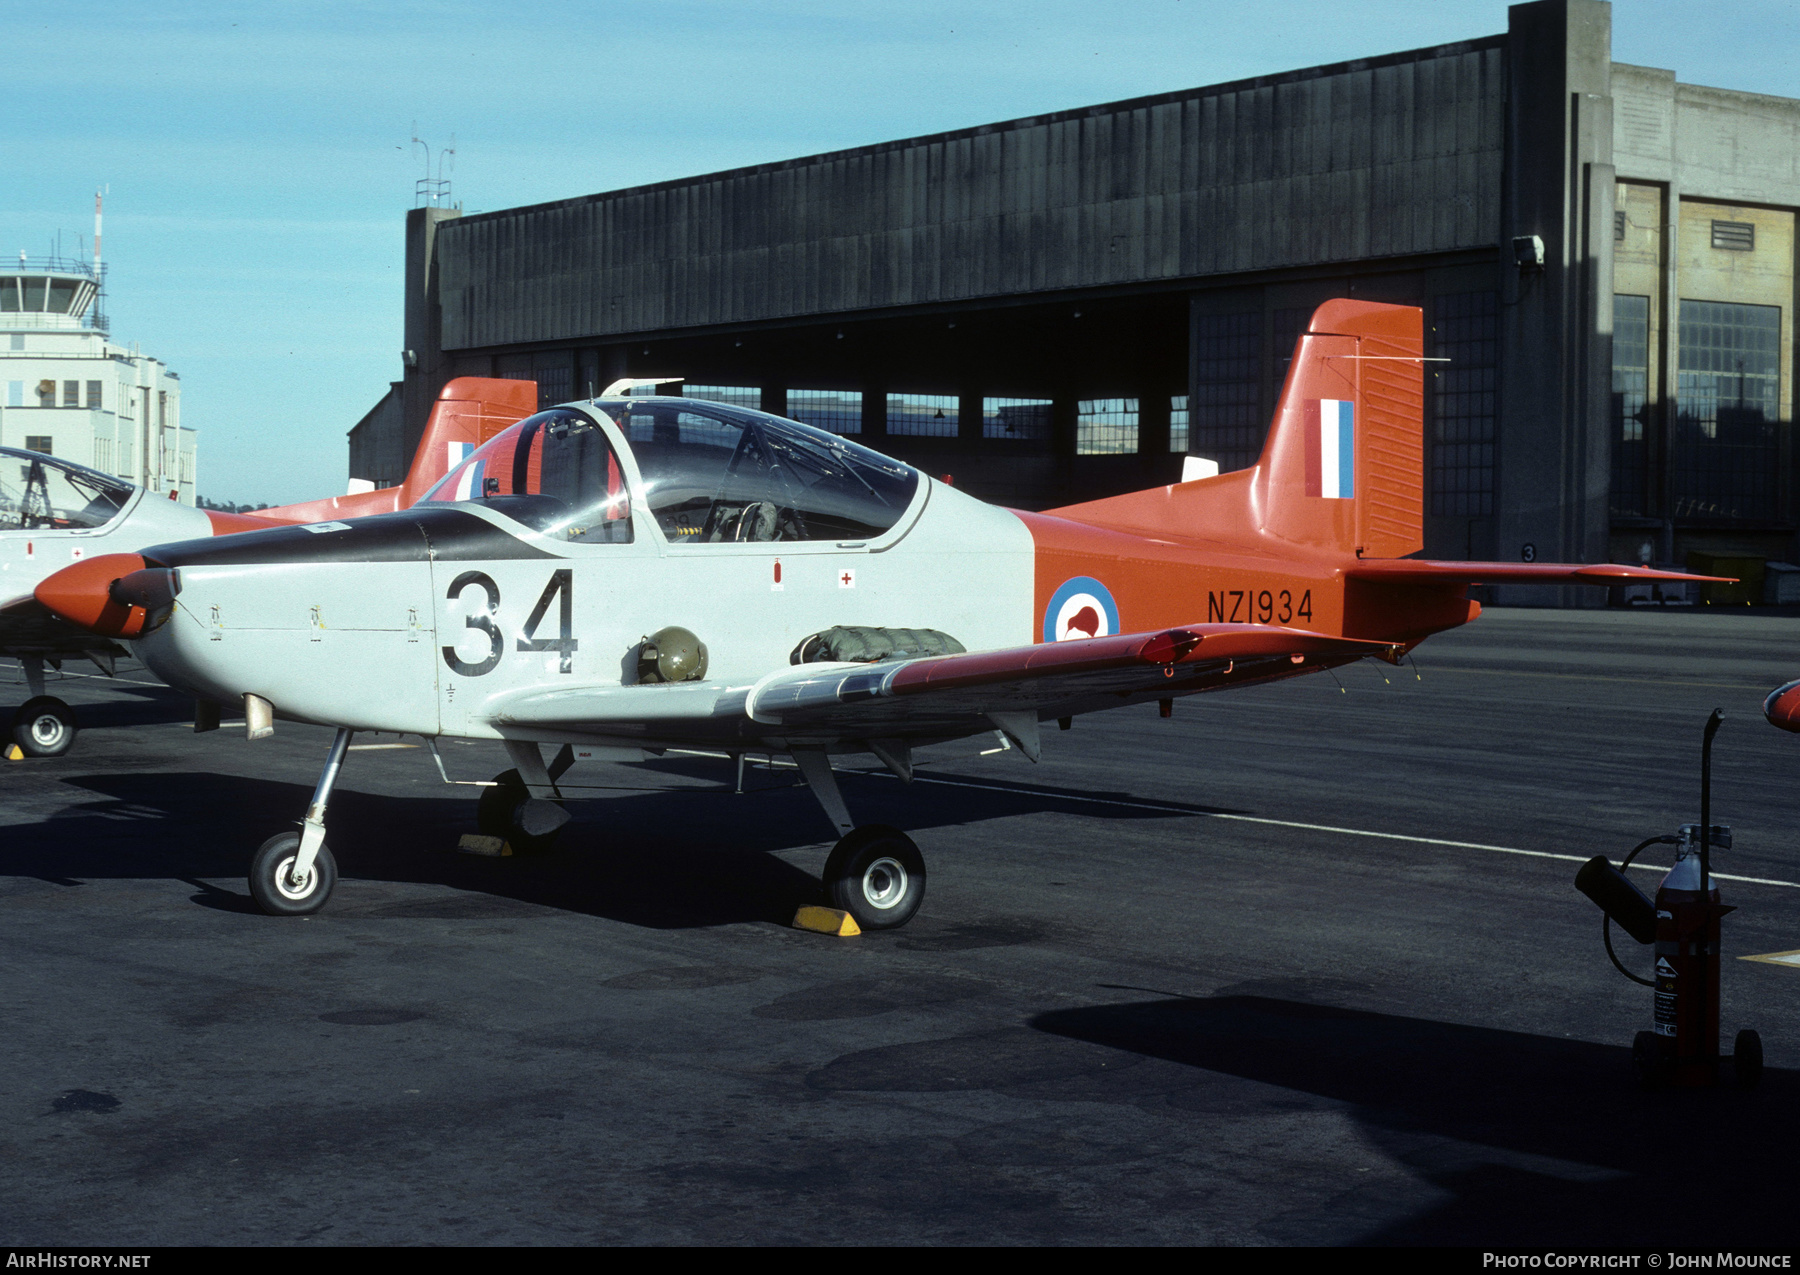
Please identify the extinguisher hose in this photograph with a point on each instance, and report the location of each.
(1606, 921)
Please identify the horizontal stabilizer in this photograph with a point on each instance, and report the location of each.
(1421, 571)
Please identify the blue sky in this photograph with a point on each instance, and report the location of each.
(260, 166)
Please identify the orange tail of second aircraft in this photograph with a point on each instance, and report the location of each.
(469, 411)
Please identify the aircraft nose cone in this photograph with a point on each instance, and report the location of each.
(82, 594)
(1782, 708)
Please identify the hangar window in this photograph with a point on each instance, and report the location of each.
(71, 394)
(1178, 424)
(1630, 403)
(922, 415)
(1465, 329)
(39, 493)
(749, 396)
(1735, 236)
(739, 477)
(1026, 419)
(1728, 395)
(554, 472)
(1106, 426)
(1226, 422)
(839, 411)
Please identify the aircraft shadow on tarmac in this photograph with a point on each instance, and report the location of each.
(1537, 1140)
(682, 857)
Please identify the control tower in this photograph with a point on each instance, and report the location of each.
(70, 392)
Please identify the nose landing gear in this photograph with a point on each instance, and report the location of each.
(293, 874)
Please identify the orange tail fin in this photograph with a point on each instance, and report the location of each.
(1343, 467)
(469, 411)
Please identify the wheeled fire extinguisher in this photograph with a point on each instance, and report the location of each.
(1682, 1047)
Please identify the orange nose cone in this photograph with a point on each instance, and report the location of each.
(81, 594)
(1782, 708)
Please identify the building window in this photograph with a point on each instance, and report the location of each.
(15, 394)
(1026, 419)
(1225, 418)
(39, 443)
(71, 393)
(18, 338)
(1178, 424)
(1619, 226)
(1465, 330)
(749, 396)
(93, 395)
(1106, 426)
(839, 411)
(1735, 236)
(125, 400)
(162, 409)
(103, 453)
(127, 458)
(922, 415)
(1630, 404)
(1728, 396)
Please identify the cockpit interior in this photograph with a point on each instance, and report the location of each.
(710, 474)
(44, 493)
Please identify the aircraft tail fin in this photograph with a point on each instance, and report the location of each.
(1343, 467)
(469, 411)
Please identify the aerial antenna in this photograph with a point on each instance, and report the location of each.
(433, 189)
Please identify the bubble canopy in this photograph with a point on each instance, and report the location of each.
(43, 493)
(710, 474)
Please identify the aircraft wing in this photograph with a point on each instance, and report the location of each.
(944, 696)
(1423, 571)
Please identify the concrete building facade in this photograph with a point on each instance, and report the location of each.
(71, 392)
(1061, 307)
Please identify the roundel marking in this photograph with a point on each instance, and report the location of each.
(1080, 608)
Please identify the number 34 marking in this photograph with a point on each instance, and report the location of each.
(565, 643)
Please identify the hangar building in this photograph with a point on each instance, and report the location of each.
(1060, 307)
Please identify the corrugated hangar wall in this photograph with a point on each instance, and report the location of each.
(1397, 156)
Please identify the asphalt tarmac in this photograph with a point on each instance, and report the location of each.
(1220, 979)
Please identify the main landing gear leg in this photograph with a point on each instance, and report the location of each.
(44, 726)
(293, 873)
(875, 872)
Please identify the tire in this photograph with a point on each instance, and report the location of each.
(493, 813)
(499, 813)
(877, 875)
(268, 878)
(44, 727)
(1747, 1059)
(1646, 1064)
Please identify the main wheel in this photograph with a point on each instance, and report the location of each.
(272, 884)
(494, 812)
(44, 727)
(877, 875)
(506, 810)
(1747, 1059)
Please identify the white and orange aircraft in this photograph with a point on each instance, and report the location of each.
(58, 512)
(634, 574)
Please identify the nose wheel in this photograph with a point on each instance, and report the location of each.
(44, 726)
(281, 891)
(293, 873)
